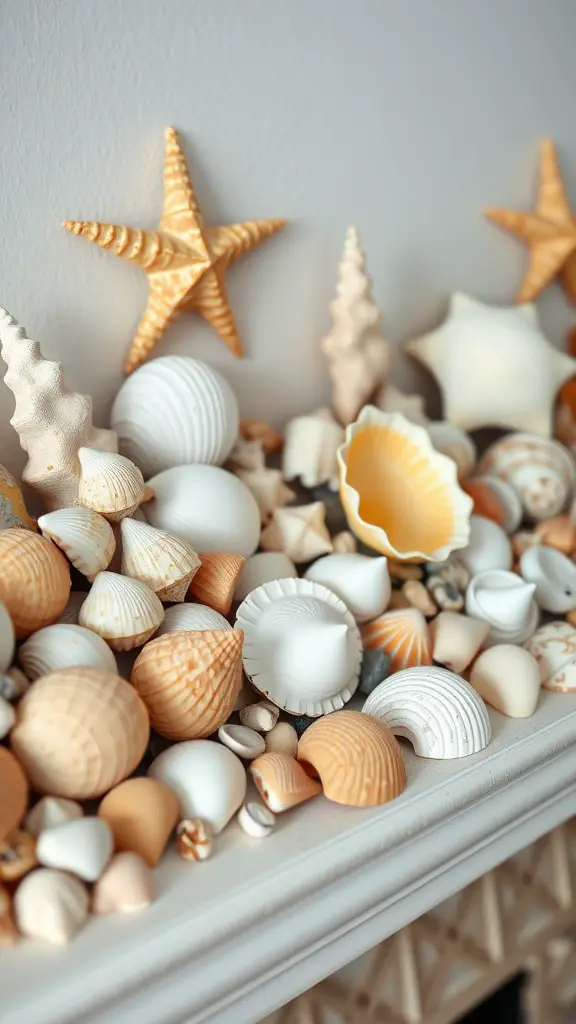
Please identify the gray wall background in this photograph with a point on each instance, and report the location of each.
(406, 117)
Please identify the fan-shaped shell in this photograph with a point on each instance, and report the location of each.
(110, 484)
(34, 582)
(85, 537)
(215, 581)
(175, 411)
(495, 499)
(282, 782)
(436, 710)
(554, 648)
(14, 791)
(164, 562)
(51, 905)
(63, 646)
(362, 582)
(403, 635)
(542, 471)
(261, 568)
(302, 647)
(122, 610)
(208, 779)
(80, 732)
(190, 681)
(198, 617)
(357, 759)
(506, 603)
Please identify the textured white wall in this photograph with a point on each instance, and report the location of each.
(404, 116)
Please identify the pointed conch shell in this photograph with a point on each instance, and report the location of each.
(85, 537)
(403, 635)
(164, 562)
(282, 782)
(51, 811)
(52, 423)
(456, 639)
(506, 603)
(362, 582)
(80, 732)
(126, 886)
(109, 484)
(390, 473)
(64, 646)
(14, 790)
(142, 813)
(34, 581)
(310, 448)
(488, 547)
(190, 681)
(357, 759)
(122, 610)
(436, 710)
(215, 581)
(188, 616)
(51, 905)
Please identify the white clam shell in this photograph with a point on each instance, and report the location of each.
(310, 446)
(261, 568)
(488, 547)
(541, 470)
(164, 562)
(126, 886)
(455, 443)
(175, 411)
(243, 741)
(554, 648)
(507, 677)
(302, 647)
(183, 617)
(51, 905)
(362, 582)
(256, 820)
(51, 811)
(207, 506)
(208, 779)
(436, 710)
(82, 846)
(125, 612)
(7, 640)
(554, 576)
(63, 646)
(110, 484)
(7, 717)
(85, 537)
(506, 603)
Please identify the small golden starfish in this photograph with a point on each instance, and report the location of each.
(184, 261)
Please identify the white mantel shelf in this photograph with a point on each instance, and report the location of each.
(230, 940)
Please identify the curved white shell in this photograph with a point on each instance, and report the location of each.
(50, 811)
(554, 648)
(455, 443)
(554, 575)
(208, 779)
(506, 603)
(456, 639)
(310, 446)
(362, 582)
(436, 710)
(261, 568)
(85, 537)
(302, 647)
(182, 617)
(63, 646)
(507, 677)
(51, 905)
(7, 639)
(541, 470)
(175, 411)
(207, 506)
(164, 562)
(488, 547)
(122, 610)
(82, 846)
(109, 484)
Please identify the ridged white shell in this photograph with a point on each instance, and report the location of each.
(362, 582)
(488, 547)
(208, 779)
(261, 568)
(541, 470)
(85, 537)
(7, 639)
(51, 905)
(436, 710)
(207, 506)
(506, 603)
(554, 575)
(302, 647)
(63, 646)
(180, 617)
(164, 562)
(109, 484)
(174, 411)
(122, 610)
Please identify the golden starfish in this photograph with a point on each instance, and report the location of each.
(549, 233)
(184, 261)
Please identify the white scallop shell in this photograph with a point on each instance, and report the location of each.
(488, 547)
(554, 648)
(207, 506)
(362, 582)
(109, 484)
(263, 567)
(122, 610)
(175, 411)
(183, 617)
(82, 846)
(63, 646)
(436, 710)
(302, 647)
(208, 779)
(310, 446)
(85, 537)
(541, 470)
(51, 905)
(506, 603)
(554, 575)
(455, 443)
(7, 639)
(507, 677)
(164, 562)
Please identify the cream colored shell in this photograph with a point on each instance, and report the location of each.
(554, 648)
(164, 562)
(125, 612)
(187, 616)
(50, 811)
(63, 646)
(455, 443)
(541, 470)
(85, 537)
(142, 814)
(282, 782)
(51, 905)
(127, 886)
(456, 639)
(7, 639)
(110, 484)
(34, 581)
(507, 677)
(310, 446)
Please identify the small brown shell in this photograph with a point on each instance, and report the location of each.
(34, 582)
(215, 581)
(13, 792)
(282, 782)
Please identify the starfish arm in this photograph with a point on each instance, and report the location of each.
(149, 250)
(211, 301)
(230, 242)
(526, 226)
(552, 201)
(546, 259)
(181, 213)
(165, 299)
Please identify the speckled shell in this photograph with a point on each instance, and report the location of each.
(190, 681)
(357, 759)
(554, 648)
(142, 813)
(282, 782)
(122, 610)
(506, 677)
(34, 582)
(541, 471)
(198, 617)
(403, 635)
(215, 581)
(110, 484)
(63, 646)
(85, 537)
(51, 905)
(80, 732)
(261, 568)
(436, 710)
(208, 779)
(13, 511)
(164, 562)
(14, 791)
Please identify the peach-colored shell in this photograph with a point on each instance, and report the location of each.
(79, 732)
(357, 759)
(13, 792)
(141, 813)
(190, 681)
(34, 582)
(282, 782)
(403, 634)
(215, 581)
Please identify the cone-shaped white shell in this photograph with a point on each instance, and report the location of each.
(208, 779)
(126, 886)
(310, 446)
(488, 548)
(507, 677)
(456, 639)
(109, 484)
(436, 710)
(122, 610)
(62, 646)
(7, 640)
(175, 411)
(302, 647)
(541, 470)
(506, 603)
(554, 576)
(261, 568)
(554, 648)
(51, 905)
(50, 811)
(85, 537)
(82, 846)
(183, 617)
(362, 582)
(164, 562)
(207, 506)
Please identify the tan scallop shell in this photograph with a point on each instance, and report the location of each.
(282, 782)
(85, 537)
(79, 732)
(13, 792)
(141, 813)
(357, 759)
(34, 581)
(190, 681)
(215, 581)
(164, 562)
(122, 610)
(110, 484)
